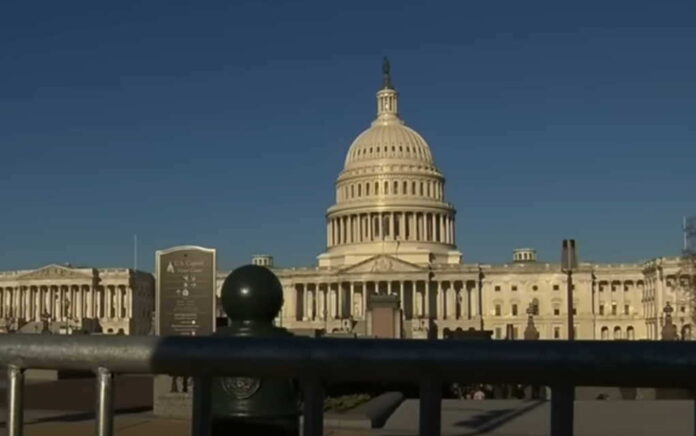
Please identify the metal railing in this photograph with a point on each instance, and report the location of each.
(560, 365)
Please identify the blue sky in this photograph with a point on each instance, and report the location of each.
(225, 124)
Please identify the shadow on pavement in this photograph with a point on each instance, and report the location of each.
(80, 416)
(492, 419)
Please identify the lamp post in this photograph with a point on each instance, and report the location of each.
(569, 262)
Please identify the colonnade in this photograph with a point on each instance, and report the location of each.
(63, 302)
(443, 300)
(391, 226)
(422, 189)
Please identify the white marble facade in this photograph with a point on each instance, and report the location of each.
(391, 231)
(67, 299)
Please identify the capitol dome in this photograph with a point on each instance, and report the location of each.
(390, 196)
(388, 140)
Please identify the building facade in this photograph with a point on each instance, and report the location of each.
(391, 268)
(391, 234)
(66, 299)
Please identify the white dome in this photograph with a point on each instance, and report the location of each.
(390, 196)
(389, 140)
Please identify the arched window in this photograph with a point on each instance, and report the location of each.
(396, 187)
(359, 189)
(630, 333)
(386, 188)
(605, 333)
(617, 333)
(367, 188)
(413, 188)
(404, 189)
(352, 191)
(376, 188)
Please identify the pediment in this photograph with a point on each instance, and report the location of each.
(383, 263)
(54, 272)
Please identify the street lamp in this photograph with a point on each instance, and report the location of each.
(569, 262)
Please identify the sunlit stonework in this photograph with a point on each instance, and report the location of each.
(391, 233)
(391, 269)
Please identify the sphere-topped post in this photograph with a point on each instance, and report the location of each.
(252, 297)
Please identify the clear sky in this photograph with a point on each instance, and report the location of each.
(225, 123)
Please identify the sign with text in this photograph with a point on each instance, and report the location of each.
(186, 291)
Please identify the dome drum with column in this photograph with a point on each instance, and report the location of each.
(390, 196)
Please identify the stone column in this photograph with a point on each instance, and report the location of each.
(440, 300)
(351, 298)
(121, 293)
(392, 225)
(441, 222)
(363, 309)
(332, 300)
(380, 228)
(423, 224)
(59, 304)
(305, 302)
(448, 227)
(389, 287)
(474, 301)
(401, 296)
(340, 309)
(25, 298)
(433, 225)
(426, 298)
(358, 228)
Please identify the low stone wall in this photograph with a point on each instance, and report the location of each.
(371, 414)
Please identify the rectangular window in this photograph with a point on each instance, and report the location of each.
(555, 287)
(683, 309)
(575, 310)
(556, 311)
(535, 288)
(497, 288)
(514, 333)
(514, 310)
(601, 309)
(497, 310)
(556, 332)
(613, 309)
(514, 288)
(498, 332)
(626, 309)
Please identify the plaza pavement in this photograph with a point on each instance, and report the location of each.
(66, 408)
(465, 418)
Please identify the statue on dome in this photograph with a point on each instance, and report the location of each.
(386, 71)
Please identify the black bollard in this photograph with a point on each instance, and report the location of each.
(252, 297)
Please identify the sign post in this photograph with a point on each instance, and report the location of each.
(185, 306)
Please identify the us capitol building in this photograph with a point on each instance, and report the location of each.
(391, 269)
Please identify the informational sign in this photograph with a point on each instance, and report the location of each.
(185, 307)
(186, 291)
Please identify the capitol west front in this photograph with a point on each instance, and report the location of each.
(391, 268)
(391, 232)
